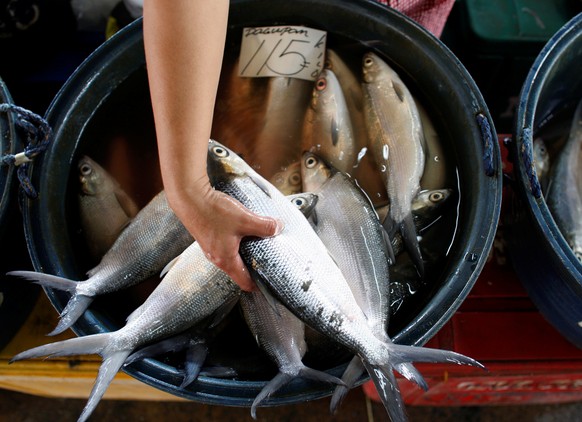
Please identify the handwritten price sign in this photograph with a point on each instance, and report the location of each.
(290, 51)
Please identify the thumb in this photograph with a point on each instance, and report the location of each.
(261, 226)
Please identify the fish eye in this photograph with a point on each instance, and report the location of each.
(435, 197)
(85, 169)
(220, 152)
(311, 162)
(295, 179)
(299, 202)
(368, 61)
(321, 84)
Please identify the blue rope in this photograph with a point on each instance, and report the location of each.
(488, 140)
(38, 135)
(526, 152)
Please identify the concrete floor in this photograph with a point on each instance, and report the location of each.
(17, 407)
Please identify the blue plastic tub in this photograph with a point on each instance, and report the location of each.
(108, 95)
(543, 260)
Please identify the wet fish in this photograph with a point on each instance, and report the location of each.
(327, 129)
(191, 291)
(153, 238)
(434, 175)
(288, 181)
(105, 209)
(563, 197)
(395, 134)
(427, 207)
(541, 159)
(296, 268)
(278, 140)
(350, 229)
(282, 336)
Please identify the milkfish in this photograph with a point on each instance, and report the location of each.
(327, 129)
(349, 227)
(395, 135)
(282, 336)
(191, 291)
(105, 209)
(541, 160)
(195, 341)
(563, 197)
(278, 140)
(296, 268)
(153, 238)
(288, 180)
(427, 207)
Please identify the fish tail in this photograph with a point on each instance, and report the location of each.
(87, 345)
(47, 280)
(171, 344)
(76, 306)
(195, 357)
(425, 354)
(408, 371)
(109, 368)
(408, 231)
(352, 373)
(388, 391)
(278, 381)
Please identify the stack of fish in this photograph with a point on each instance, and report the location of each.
(561, 179)
(331, 272)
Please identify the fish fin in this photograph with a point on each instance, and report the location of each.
(261, 183)
(271, 300)
(334, 132)
(399, 90)
(352, 373)
(408, 371)
(87, 345)
(107, 371)
(195, 357)
(278, 381)
(408, 231)
(389, 248)
(426, 354)
(169, 266)
(387, 387)
(171, 344)
(222, 312)
(313, 374)
(47, 280)
(76, 306)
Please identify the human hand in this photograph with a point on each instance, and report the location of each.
(218, 222)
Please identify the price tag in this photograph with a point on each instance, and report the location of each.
(291, 51)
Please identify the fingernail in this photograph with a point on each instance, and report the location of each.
(280, 227)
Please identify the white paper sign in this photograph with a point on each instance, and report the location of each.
(291, 51)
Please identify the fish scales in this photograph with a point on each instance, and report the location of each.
(295, 267)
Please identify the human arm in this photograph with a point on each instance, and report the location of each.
(184, 45)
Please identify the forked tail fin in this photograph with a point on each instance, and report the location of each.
(388, 391)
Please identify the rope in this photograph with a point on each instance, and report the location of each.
(38, 135)
(526, 152)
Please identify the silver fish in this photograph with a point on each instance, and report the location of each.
(395, 134)
(350, 229)
(192, 290)
(153, 238)
(282, 336)
(434, 175)
(278, 141)
(288, 181)
(563, 197)
(105, 209)
(296, 268)
(327, 129)
(541, 159)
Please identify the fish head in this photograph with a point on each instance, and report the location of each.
(288, 181)
(304, 201)
(430, 201)
(314, 172)
(371, 67)
(222, 161)
(90, 175)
